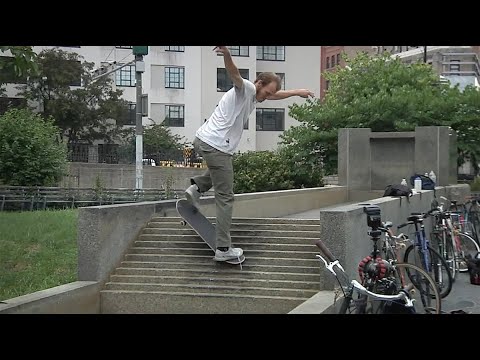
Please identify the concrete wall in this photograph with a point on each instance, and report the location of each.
(344, 228)
(79, 297)
(372, 160)
(84, 175)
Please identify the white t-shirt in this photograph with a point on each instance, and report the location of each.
(224, 128)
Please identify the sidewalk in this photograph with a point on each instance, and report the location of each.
(463, 296)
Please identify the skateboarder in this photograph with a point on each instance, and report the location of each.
(217, 139)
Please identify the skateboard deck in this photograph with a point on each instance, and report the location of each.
(203, 227)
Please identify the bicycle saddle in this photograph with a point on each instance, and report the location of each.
(415, 218)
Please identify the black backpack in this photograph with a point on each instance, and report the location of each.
(397, 190)
(427, 182)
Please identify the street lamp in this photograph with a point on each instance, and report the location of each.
(139, 51)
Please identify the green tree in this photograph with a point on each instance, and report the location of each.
(158, 143)
(89, 111)
(30, 151)
(256, 171)
(383, 94)
(21, 64)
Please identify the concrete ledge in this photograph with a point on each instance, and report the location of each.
(321, 303)
(79, 297)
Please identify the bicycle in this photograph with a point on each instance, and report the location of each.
(423, 255)
(384, 288)
(453, 243)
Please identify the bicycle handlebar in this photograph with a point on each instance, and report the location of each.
(325, 250)
(402, 295)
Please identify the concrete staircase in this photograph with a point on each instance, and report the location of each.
(169, 269)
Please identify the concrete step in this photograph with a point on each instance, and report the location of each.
(200, 244)
(161, 302)
(209, 258)
(236, 240)
(206, 272)
(216, 280)
(278, 254)
(235, 232)
(241, 226)
(248, 220)
(212, 289)
(176, 264)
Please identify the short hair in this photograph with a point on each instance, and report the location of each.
(267, 77)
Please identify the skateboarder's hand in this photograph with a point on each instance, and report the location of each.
(221, 49)
(305, 93)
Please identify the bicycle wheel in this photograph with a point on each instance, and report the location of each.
(438, 268)
(354, 304)
(446, 250)
(425, 293)
(466, 245)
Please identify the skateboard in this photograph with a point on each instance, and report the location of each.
(193, 217)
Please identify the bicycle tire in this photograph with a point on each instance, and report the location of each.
(447, 251)
(350, 305)
(444, 283)
(425, 292)
(468, 246)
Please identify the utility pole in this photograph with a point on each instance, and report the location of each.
(425, 54)
(139, 51)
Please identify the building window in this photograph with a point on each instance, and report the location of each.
(108, 153)
(7, 103)
(124, 47)
(175, 48)
(224, 83)
(174, 115)
(7, 74)
(270, 119)
(338, 59)
(282, 76)
(333, 60)
(454, 66)
(327, 84)
(76, 73)
(129, 117)
(274, 53)
(174, 77)
(328, 62)
(125, 76)
(238, 50)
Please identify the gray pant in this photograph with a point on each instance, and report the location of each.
(220, 175)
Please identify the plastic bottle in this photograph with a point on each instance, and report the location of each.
(404, 182)
(418, 184)
(433, 177)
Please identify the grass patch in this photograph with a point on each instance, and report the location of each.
(38, 250)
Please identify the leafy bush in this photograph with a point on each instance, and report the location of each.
(475, 186)
(256, 171)
(30, 151)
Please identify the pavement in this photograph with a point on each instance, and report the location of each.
(464, 295)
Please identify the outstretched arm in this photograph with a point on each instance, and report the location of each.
(283, 94)
(230, 66)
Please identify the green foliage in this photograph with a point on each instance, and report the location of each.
(158, 143)
(21, 64)
(99, 187)
(475, 186)
(30, 151)
(382, 94)
(256, 171)
(87, 113)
